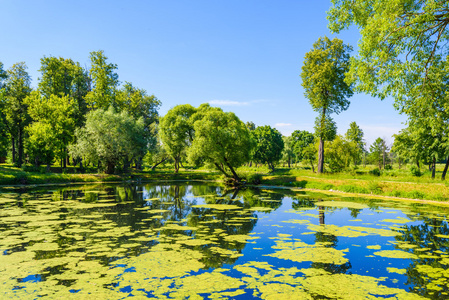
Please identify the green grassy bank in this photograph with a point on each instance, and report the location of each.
(393, 183)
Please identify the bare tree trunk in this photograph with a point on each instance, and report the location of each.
(154, 166)
(13, 150)
(320, 167)
(443, 176)
(433, 168)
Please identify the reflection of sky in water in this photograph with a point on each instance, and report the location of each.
(99, 230)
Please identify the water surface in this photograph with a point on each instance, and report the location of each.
(201, 241)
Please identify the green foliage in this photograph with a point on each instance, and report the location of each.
(15, 110)
(268, 145)
(340, 153)
(221, 139)
(323, 80)
(375, 172)
(377, 151)
(104, 80)
(54, 117)
(301, 140)
(388, 167)
(177, 132)
(110, 138)
(325, 128)
(415, 171)
(64, 77)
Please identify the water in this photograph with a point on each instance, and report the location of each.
(200, 241)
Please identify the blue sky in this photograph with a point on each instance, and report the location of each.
(244, 56)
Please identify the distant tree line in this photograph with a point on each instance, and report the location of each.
(75, 115)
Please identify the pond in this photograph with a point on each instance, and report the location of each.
(200, 241)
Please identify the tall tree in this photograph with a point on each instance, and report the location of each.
(104, 80)
(355, 134)
(139, 104)
(222, 140)
(56, 114)
(4, 136)
(176, 131)
(64, 77)
(17, 88)
(268, 145)
(377, 151)
(323, 77)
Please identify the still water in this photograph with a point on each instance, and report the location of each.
(199, 241)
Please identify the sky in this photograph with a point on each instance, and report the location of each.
(242, 56)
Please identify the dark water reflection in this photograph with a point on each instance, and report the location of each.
(198, 240)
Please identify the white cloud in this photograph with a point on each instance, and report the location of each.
(228, 103)
(283, 124)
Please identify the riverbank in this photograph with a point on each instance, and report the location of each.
(402, 187)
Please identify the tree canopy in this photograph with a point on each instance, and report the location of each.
(268, 145)
(222, 140)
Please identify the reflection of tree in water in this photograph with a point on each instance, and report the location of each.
(329, 241)
(219, 226)
(428, 246)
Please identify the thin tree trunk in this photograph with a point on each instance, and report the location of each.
(433, 168)
(443, 176)
(13, 150)
(20, 145)
(320, 167)
(154, 167)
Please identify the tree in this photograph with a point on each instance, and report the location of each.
(355, 134)
(140, 105)
(176, 131)
(64, 77)
(323, 77)
(403, 52)
(4, 137)
(301, 139)
(377, 151)
(17, 88)
(340, 152)
(110, 138)
(53, 113)
(288, 152)
(401, 42)
(222, 140)
(105, 82)
(268, 145)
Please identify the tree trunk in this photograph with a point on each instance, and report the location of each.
(48, 167)
(433, 168)
(110, 168)
(443, 176)
(176, 165)
(236, 177)
(154, 167)
(13, 150)
(20, 145)
(320, 167)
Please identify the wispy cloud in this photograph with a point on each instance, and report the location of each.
(228, 103)
(236, 103)
(283, 124)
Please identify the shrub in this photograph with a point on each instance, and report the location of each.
(415, 171)
(375, 172)
(388, 167)
(254, 178)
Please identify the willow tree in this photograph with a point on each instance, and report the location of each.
(176, 132)
(323, 79)
(223, 140)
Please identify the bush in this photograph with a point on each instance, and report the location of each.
(388, 167)
(254, 178)
(375, 172)
(374, 187)
(415, 171)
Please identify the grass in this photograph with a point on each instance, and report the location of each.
(395, 183)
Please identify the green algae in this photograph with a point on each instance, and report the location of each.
(218, 206)
(396, 270)
(300, 252)
(341, 204)
(396, 254)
